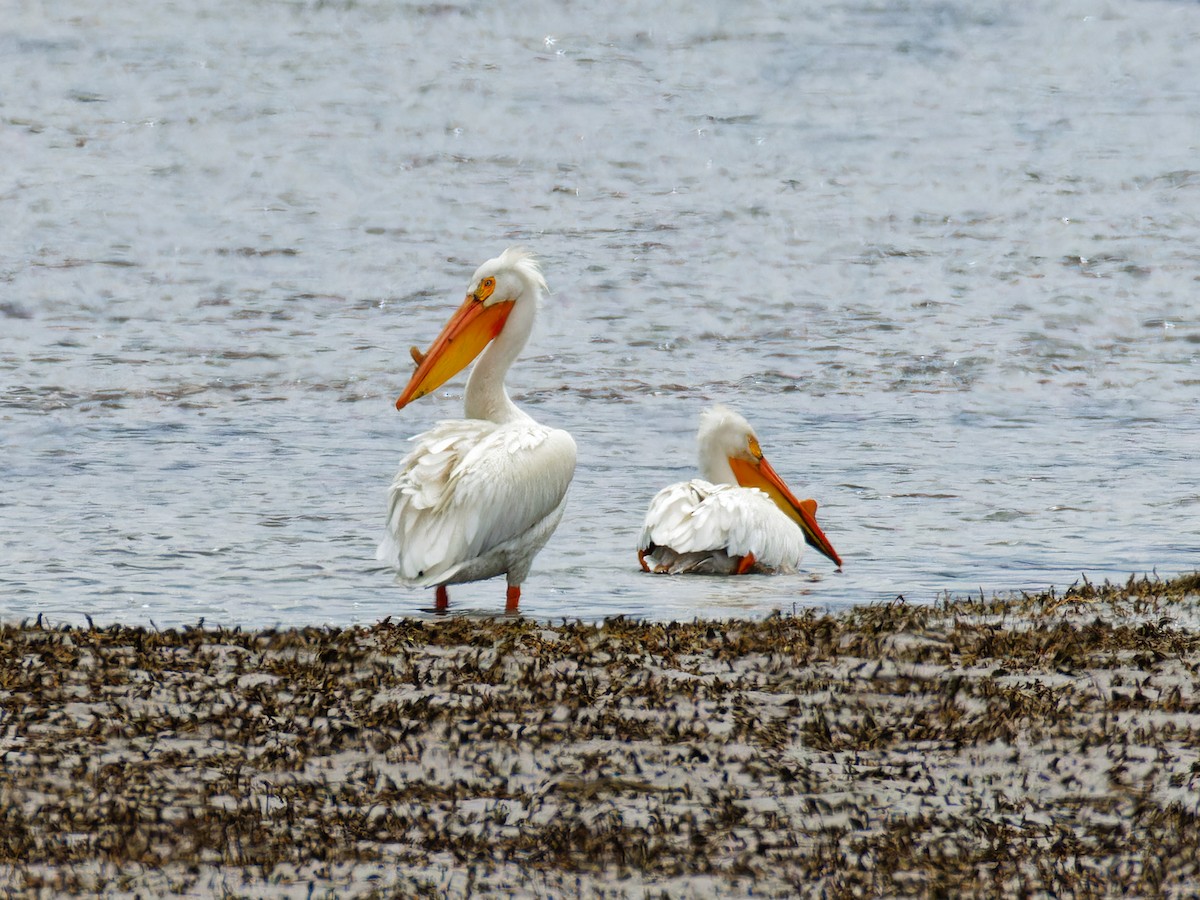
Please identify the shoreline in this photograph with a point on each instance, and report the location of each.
(1044, 743)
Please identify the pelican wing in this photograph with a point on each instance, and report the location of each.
(469, 486)
(696, 516)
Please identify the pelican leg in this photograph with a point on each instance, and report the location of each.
(513, 598)
(642, 560)
(745, 564)
(441, 598)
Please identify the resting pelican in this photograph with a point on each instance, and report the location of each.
(741, 518)
(480, 496)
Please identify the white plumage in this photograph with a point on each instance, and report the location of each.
(476, 499)
(697, 526)
(479, 497)
(725, 524)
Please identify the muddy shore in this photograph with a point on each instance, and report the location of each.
(1043, 744)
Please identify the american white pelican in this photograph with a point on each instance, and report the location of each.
(480, 496)
(741, 518)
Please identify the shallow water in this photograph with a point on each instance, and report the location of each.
(945, 259)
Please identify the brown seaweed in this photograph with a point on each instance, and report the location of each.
(1032, 744)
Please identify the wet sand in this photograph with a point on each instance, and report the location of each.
(1043, 744)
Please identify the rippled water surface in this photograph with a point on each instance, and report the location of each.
(945, 257)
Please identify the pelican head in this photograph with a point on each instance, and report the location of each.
(512, 281)
(730, 454)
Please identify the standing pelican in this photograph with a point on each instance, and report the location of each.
(480, 496)
(741, 518)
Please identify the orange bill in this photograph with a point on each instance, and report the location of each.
(763, 476)
(469, 330)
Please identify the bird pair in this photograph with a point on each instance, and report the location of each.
(480, 496)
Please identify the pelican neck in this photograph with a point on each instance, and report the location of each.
(486, 396)
(714, 466)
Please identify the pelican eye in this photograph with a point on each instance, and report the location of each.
(485, 288)
(755, 450)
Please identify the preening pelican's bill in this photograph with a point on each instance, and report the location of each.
(740, 518)
(479, 496)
